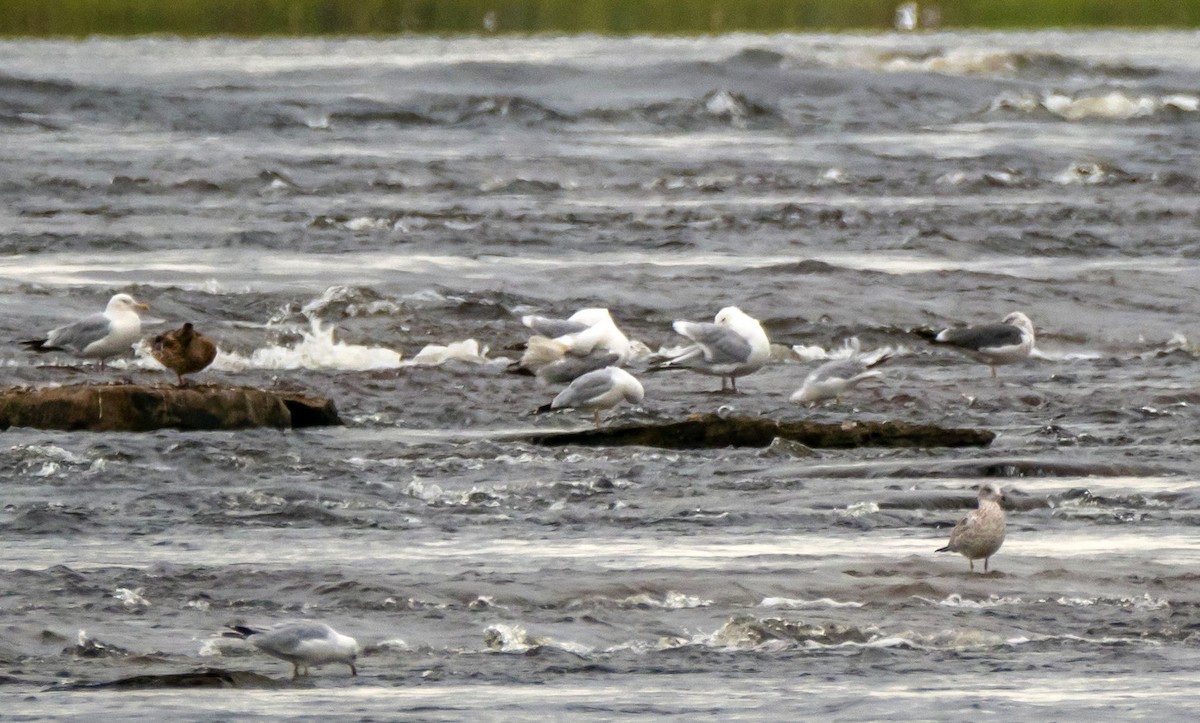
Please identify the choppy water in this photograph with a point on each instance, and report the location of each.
(326, 209)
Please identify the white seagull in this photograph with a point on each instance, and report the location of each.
(978, 535)
(600, 389)
(561, 350)
(993, 344)
(834, 378)
(301, 643)
(734, 345)
(99, 336)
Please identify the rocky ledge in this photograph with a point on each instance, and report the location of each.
(142, 408)
(713, 432)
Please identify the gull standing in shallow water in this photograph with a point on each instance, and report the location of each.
(833, 378)
(600, 389)
(734, 345)
(302, 644)
(993, 344)
(978, 535)
(99, 336)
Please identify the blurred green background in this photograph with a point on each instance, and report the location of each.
(48, 18)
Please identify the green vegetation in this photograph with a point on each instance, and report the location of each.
(80, 18)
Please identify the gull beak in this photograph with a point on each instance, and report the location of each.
(142, 307)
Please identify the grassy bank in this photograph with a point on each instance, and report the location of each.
(79, 18)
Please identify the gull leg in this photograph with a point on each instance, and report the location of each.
(971, 563)
(295, 670)
(353, 670)
(985, 563)
(596, 417)
(733, 384)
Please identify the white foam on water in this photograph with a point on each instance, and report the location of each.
(317, 349)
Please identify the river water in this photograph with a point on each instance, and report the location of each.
(328, 208)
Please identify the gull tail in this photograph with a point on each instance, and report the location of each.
(670, 364)
(544, 409)
(944, 549)
(926, 333)
(39, 345)
(516, 368)
(666, 366)
(239, 631)
(885, 356)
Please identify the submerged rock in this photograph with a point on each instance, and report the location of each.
(712, 432)
(142, 408)
(203, 678)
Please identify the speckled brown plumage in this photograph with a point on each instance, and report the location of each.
(183, 351)
(981, 533)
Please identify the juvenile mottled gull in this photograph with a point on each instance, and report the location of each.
(993, 344)
(600, 389)
(833, 378)
(301, 643)
(978, 535)
(99, 336)
(183, 351)
(734, 345)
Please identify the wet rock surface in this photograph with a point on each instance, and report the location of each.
(139, 408)
(710, 431)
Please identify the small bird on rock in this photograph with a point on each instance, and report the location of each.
(733, 345)
(99, 336)
(183, 351)
(601, 389)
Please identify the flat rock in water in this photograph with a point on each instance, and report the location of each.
(142, 408)
(713, 432)
(204, 678)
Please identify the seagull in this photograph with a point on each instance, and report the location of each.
(979, 534)
(600, 389)
(733, 345)
(993, 344)
(833, 378)
(302, 644)
(183, 351)
(99, 336)
(562, 350)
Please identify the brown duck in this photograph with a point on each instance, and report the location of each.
(183, 351)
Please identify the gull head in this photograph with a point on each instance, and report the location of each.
(1020, 321)
(991, 492)
(591, 317)
(125, 302)
(729, 316)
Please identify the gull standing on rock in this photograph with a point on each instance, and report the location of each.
(734, 345)
(99, 336)
(978, 535)
(993, 344)
(302, 644)
(597, 390)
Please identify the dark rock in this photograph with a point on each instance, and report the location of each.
(203, 678)
(141, 408)
(714, 432)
